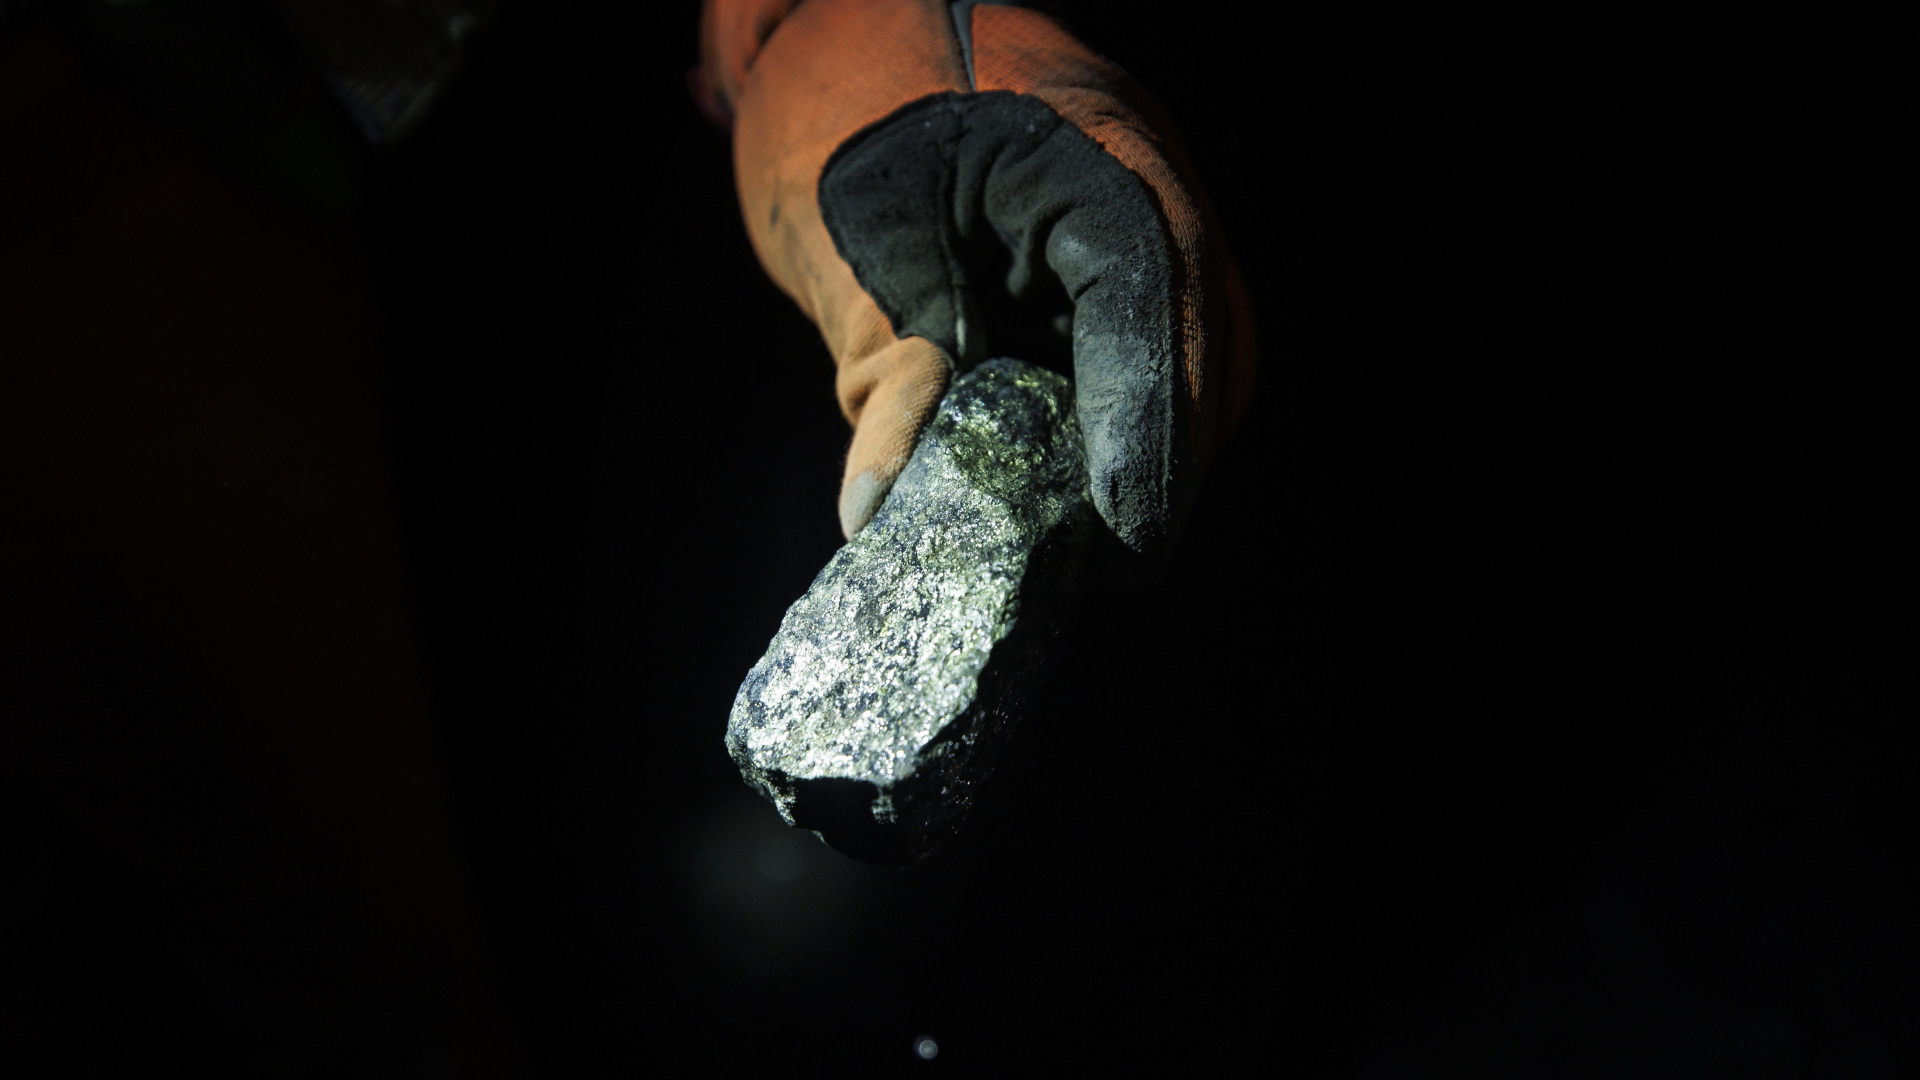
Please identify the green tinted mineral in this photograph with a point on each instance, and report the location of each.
(894, 682)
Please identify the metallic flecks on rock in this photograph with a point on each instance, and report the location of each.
(893, 682)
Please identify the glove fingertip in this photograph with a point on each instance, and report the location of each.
(891, 396)
(860, 499)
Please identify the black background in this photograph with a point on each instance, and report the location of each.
(1516, 705)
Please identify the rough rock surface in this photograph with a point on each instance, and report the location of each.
(892, 684)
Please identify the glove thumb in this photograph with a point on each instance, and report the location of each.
(888, 396)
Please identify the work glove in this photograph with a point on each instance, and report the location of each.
(936, 184)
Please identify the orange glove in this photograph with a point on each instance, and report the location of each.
(936, 184)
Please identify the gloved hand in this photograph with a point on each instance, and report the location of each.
(936, 184)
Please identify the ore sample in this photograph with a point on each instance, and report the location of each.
(892, 684)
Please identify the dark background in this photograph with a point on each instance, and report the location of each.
(1518, 703)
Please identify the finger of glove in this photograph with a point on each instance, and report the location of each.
(889, 395)
(1075, 216)
(1212, 362)
(1126, 378)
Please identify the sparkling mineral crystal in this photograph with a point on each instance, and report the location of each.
(894, 682)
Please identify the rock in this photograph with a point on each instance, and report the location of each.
(892, 685)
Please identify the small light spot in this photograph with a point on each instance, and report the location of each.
(926, 1048)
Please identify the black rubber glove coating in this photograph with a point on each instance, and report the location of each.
(983, 223)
